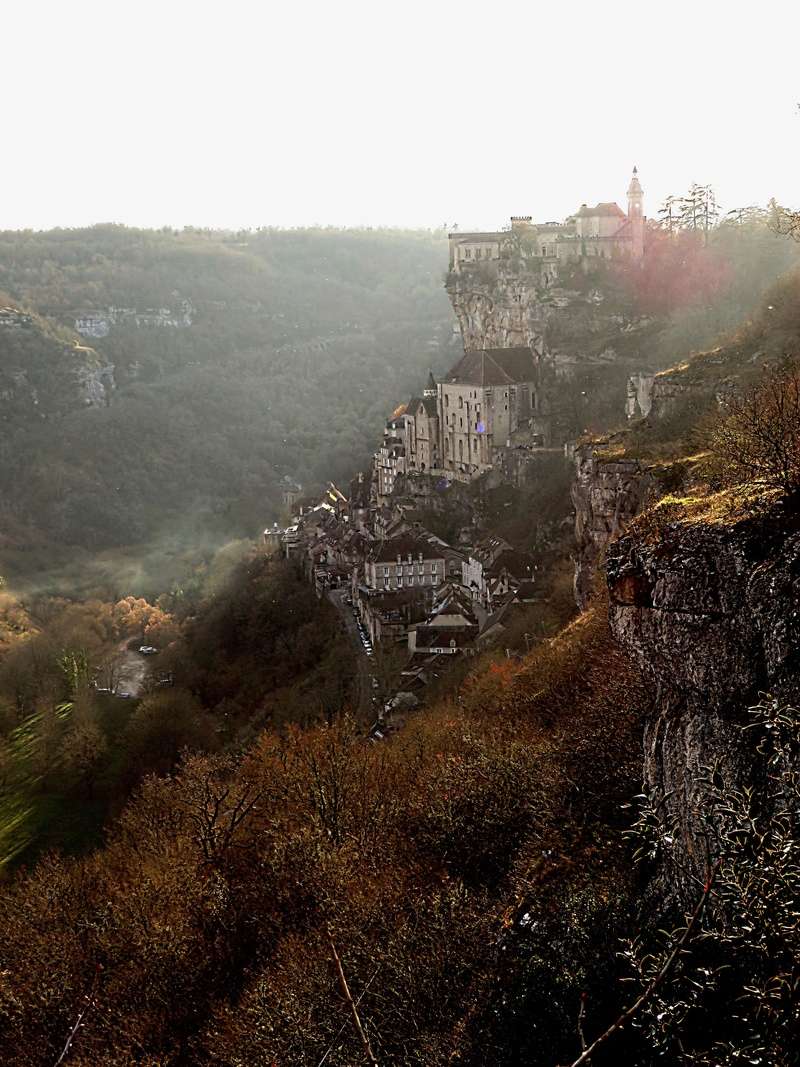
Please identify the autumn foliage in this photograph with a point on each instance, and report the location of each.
(201, 932)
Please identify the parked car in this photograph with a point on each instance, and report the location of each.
(147, 650)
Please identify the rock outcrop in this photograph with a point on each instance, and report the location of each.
(498, 309)
(608, 491)
(96, 383)
(43, 375)
(639, 399)
(712, 615)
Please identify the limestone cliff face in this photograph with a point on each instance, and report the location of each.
(712, 615)
(607, 493)
(577, 326)
(96, 384)
(498, 309)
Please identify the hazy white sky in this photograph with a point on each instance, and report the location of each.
(401, 113)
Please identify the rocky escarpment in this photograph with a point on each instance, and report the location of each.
(712, 615)
(96, 382)
(575, 319)
(499, 309)
(608, 491)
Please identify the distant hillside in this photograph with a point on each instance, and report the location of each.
(45, 371)
(290, 349)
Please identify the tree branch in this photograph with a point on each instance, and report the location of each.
(639, 1003)
(353, 1009)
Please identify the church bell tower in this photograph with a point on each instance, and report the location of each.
(636, 215)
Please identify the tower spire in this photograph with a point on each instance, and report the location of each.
(636, 214)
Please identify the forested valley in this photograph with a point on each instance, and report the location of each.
(294, 346)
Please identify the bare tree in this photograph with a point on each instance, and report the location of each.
(757, 441)
(784, 222)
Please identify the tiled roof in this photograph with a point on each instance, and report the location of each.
(489, 549)
(516, 563)
(388, 550)
(430, 637)
(428, 402)
(601, 209)
(494, 366)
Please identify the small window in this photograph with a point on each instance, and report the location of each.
(461, 401)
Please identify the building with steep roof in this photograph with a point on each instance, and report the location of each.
(451, 626)
(457, 424)
(422, 414)
(494, 569)
(483, 400)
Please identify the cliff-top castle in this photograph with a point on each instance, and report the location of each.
(603, 230)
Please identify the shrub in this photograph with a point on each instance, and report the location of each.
(757, 441)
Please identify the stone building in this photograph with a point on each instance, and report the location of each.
(457, 425)
(483, 400)
(390, 459)
(603, 230)
(422, 428)
(494, 569)
(451, 626)
(414, 559)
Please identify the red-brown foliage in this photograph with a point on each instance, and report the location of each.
(200, 932)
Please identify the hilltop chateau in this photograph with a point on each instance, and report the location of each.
(603, 230)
